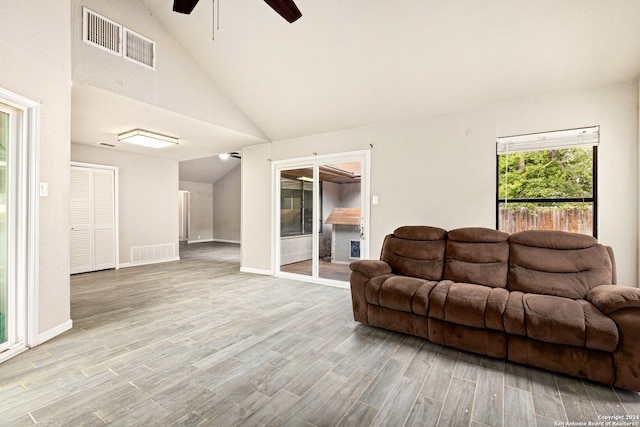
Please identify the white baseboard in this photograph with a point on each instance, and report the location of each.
(199, 241)
(213, 240)
(256, 271)
(129, 264)
(237, 242)
(54, 332)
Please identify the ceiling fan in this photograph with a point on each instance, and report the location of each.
(285, 8)
(225, 156)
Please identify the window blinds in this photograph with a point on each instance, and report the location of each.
(549, 140)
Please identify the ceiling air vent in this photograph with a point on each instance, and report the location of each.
(101, 32)
(139, 49)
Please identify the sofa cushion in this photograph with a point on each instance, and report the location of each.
(560, 320)
(468, 304)
(557, 263)
(402, 293)
(416, 251)
(477, 255)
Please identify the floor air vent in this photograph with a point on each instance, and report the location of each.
(153, 253)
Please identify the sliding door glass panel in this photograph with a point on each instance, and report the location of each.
(296, 221)
(4, 291)
(340, 231)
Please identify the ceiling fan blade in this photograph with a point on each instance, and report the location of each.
(285, 8)
(184, 6)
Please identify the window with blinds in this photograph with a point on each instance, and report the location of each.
(548, 181)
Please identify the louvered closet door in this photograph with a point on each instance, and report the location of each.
(103, 219)
(80, 219)
(92, 217)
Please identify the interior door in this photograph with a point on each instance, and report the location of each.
(184, 205)
(92, 219)
(80, 220)
(103, 219)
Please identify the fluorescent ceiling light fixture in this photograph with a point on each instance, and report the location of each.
(147, 139)
(305, 179)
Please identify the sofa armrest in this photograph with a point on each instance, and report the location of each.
(370, 267)
(611, 298)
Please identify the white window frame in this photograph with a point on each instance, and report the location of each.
(545, 141)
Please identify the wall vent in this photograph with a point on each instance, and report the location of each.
(139, 49)
(117, 39)
(101, 32)
(153, 253)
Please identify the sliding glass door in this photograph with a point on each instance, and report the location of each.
(342, 227)
(5, 293)
(19, 121)
(321, 217)
(296, 220)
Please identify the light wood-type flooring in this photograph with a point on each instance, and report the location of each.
(196, 342)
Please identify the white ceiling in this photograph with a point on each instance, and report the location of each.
(352, 63)
(207, 169)
(99, 116)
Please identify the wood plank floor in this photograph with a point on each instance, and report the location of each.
(196, 342)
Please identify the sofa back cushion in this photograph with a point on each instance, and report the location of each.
(416, 251)
(477, 255)
(557, 263)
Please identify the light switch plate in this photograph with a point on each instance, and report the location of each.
(44, 189)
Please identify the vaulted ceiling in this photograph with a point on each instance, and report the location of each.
(351, 63)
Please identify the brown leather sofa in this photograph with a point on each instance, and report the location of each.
(541, 298)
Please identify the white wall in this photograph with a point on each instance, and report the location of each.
(226, 206)
(200, 210)
(177, 84)
(440, 170)
(257, 225)
(148, 196)
(35, 52)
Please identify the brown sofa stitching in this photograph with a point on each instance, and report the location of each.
(555, 272)
(415, 259)
(414, 295)
(486, 303)
(584, 322)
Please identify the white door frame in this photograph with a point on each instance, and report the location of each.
(315, 162)
(23, 253)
